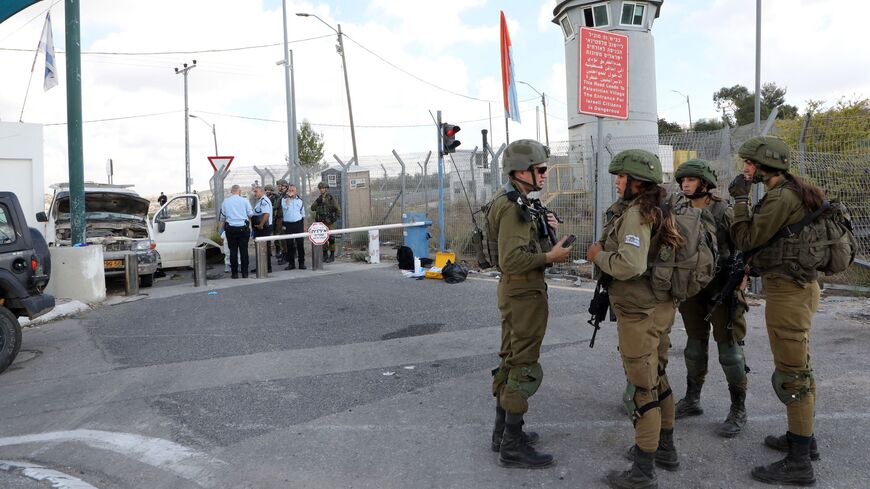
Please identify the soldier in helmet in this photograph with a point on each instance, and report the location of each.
(791, 295)
(643, 322)
(523, 254)
(278, 219)
(326, 210)
(696, 180)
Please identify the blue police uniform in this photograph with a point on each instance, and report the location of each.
(294, 222)
(235, 214)
(263, 207)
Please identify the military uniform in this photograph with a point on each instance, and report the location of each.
(326, 210)
(277, 223)
(791, 299)
(728, 324)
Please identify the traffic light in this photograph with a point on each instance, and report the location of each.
(448, 136)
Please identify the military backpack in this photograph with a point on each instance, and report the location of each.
(682, 272)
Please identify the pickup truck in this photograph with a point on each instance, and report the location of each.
(25, 267)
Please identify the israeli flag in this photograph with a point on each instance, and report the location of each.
(46, 43)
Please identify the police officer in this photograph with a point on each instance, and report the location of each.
(523, 254)
(275, 198)
(643, 322)
(696, 180)
(791, 295)
(326, 210)
(235, 217)
(294, 222)
(262, 222)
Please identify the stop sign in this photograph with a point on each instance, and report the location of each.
(318, 233)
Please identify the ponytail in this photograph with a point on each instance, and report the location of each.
(811, 196)
(649, 201)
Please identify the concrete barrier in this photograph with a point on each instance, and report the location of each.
(77, 273)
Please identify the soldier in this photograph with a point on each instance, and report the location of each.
(643, 322)
(523, 254)
(696, 180)
(791, 295)
(326, 210)
(277, 219)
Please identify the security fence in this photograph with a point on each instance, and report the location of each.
(379, 190)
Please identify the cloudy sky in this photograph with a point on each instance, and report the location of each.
(405, 58)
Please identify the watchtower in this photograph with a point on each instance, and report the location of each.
(633, 19)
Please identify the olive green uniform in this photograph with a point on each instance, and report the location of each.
(728, 337)
(643, 322)
(326, 210)
(522, 301)
(277, 222)
(792, 297)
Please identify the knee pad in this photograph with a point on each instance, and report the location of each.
(733, 362)
(499, 378)
(525, 380)
(696, 357)
(634, 411)
(791, 387)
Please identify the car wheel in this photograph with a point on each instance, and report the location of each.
(10, 338)
(146, 280)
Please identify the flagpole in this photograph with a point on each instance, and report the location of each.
(507, 138)
(32, 67)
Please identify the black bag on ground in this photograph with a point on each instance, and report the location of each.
(405, 256)
(454, 273)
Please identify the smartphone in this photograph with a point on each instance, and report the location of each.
(568, 242)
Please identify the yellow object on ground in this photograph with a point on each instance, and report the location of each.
(441, 259)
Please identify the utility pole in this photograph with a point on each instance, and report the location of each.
(185, 68)
(292, 151)
(689, 105)
(544, 104)
(75, 148)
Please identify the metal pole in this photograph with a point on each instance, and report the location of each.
(185, 68)
(426, 182)
(75, 150)
(802, 142)
(441, 186)
(537, 123)
(757, 126)
(347, 89)
(297, 168)
(689, 104)
(288, 96)
(597, 209)
(214, 134)
(316, 256)
(546, 128)
(262, 259)
(131, 274)
(199, 276)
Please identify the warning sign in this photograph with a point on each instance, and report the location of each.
(603, 74)
(318, 233)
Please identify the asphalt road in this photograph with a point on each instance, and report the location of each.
(359, 377)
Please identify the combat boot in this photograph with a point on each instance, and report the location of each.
(736, 420)
(641, 475)
(516, 452)
(331, 256)
(530, 437)
(666, 455)
(691, 404)
(325, 256)
(794, 470)
(781, 443)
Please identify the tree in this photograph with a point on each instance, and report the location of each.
(310, 146)
(843, 127)
(738, 103)
(666, 127)
(709, 125)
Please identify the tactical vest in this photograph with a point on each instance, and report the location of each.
(486, 244)
(725, 245)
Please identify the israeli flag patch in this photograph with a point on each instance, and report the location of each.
(632, 240)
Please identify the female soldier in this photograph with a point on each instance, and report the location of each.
(643, 322)
(696, 179)
(791, 291)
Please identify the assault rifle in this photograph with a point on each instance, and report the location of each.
(599, 305)
(736, 270)
(539, 212)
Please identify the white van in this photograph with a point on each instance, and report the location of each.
(116, 217)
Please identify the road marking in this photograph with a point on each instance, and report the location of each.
(58, 480)
(163, 454)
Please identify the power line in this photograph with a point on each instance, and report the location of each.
(37, 16)
(138, 116)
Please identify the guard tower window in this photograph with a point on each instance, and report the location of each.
(632, 13)
(595, 16)
(567, 28)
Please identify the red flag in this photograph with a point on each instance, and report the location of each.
(508, 74)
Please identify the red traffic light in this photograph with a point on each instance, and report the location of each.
(449, 138)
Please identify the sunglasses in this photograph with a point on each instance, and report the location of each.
(540, 169)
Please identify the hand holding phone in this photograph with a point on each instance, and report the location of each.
(569, 241)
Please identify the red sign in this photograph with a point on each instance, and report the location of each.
(603, 74)
(217, 161)
(318, 233)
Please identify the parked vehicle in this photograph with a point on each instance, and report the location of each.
(116, 217)
(25, 267)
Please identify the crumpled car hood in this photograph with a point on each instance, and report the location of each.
(108, 202)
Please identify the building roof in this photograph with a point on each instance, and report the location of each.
(565, 4)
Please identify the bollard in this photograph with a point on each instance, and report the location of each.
(262, 260)
(316, 257)
(199, 279)
(131, 274)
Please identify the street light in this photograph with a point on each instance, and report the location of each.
(544, 103)
(346, 85)
(687, 104)
(213, 132)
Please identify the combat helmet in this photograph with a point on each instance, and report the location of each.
(269, 187)
(322, 184)
(768, 151)
(521, 154)
(638, 164)
(281, 182)
(696, 168)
